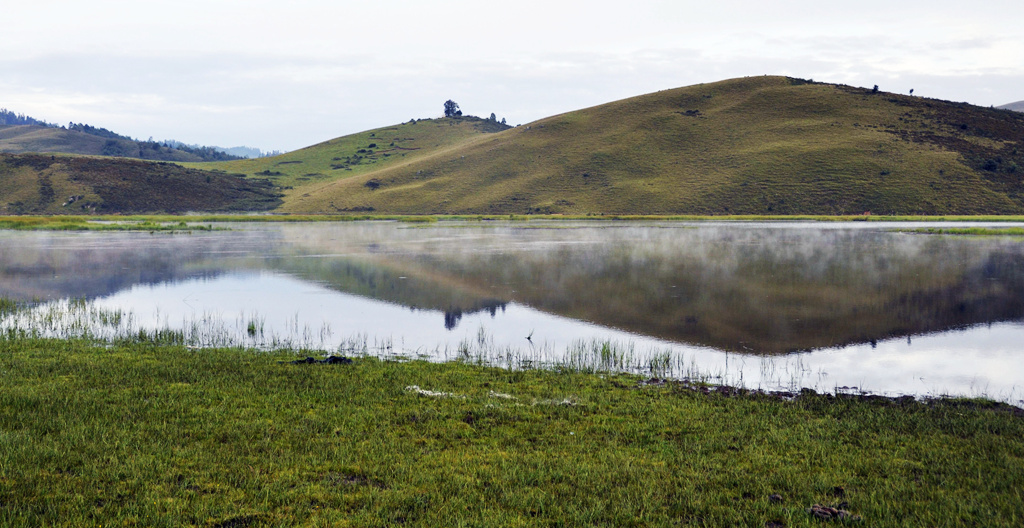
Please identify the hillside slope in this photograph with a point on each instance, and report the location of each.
(762, 145)
(1018, 106)
(26, 139)
(304, 171)
(52, 184)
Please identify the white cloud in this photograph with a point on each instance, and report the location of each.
(288, 74)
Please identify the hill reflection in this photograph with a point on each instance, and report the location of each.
(741, 288)
(753, 288)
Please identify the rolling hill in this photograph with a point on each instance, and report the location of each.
(1018, 106)
(763, 145)
(757, 145)
(61, 184)
(34, 138)
(362, 153)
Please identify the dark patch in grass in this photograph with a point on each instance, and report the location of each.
(238, 522)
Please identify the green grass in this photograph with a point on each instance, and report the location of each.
(751, 146)
(166, 222)
(138, 434)
(81, 223)
(303, 170)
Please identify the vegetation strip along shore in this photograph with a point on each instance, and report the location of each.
(138, 433)
(194, 222)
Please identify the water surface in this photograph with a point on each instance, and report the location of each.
(770, 305)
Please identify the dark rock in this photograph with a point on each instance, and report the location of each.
(829, 513)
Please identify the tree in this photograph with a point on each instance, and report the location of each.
(451, 109)
(494, 117)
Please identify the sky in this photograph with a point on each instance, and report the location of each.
(284, 75)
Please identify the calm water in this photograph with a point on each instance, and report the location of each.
(853, 306)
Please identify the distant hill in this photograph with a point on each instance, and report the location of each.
(235, 152)
(760, 145)
(23, 139)
(1018, 106)
(61, 184)
(20, 134)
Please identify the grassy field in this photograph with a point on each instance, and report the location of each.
(148, 435)
(80, 223)
(358, 154)
(165, 222)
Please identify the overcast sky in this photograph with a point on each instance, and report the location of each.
(284, 75)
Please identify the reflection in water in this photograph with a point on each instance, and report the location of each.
(859, 296)
(760, 289)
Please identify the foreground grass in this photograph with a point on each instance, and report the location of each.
(136, 434)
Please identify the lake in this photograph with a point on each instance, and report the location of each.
(853, 306)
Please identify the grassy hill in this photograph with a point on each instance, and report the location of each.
(763, 145)
(52, 184)
(304, 172)
(758, 145)
(25, 139)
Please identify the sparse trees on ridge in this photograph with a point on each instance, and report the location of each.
(451, 109)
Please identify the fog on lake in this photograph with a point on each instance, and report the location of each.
(847, 306)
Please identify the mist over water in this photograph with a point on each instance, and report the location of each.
(766, 305)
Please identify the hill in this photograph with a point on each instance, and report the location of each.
(92, 141)
(305, 171)
(1018, 106)
(763, 145)
(44, 184)
(49, 184)
(759, 145)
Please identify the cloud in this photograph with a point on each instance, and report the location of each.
(286, 75)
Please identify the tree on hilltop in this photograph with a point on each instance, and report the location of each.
(451, 109)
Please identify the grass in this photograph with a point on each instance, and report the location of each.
(157, 222)
(81, 223)
(141, 434)
(303, 170)
(761, 146)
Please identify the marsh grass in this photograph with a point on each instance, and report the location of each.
(189, 223)
(83, 223)
(163, 435)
